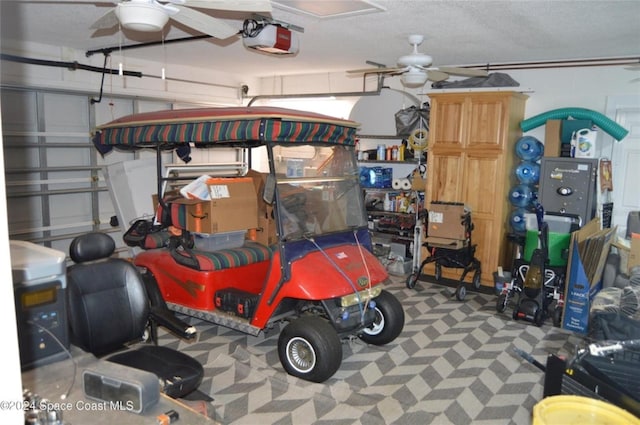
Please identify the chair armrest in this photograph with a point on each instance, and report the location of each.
(165, 318)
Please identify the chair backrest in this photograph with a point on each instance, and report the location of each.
(106, 299)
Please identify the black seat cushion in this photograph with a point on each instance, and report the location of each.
(109, 308)
(179, 373)
(108, 305)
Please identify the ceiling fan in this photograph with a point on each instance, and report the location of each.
(153, 15)
(415, 69)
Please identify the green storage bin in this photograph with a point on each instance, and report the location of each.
(559, 238)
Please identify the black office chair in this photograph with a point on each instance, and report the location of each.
(109, 308)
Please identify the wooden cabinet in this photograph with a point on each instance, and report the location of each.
(470, 160)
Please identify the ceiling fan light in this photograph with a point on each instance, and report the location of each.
(145, 17)
(414, 79)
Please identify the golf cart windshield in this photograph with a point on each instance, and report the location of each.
(317, 190)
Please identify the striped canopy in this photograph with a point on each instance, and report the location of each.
(235, 125)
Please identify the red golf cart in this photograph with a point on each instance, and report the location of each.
(304, 260)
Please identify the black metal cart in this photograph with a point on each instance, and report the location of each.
(459, 254)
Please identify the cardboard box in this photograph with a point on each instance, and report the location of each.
(445, 243)
(233, 206)
(634, 252)
(259, 181)
(629, 251)
(266, 230)
(552, 142)
(588, 252)
(447, 220)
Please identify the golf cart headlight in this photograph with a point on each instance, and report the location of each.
(362, 296)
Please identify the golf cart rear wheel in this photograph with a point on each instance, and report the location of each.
(309, 348)
(388, 323)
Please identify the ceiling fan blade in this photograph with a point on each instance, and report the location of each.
(376, 70)
(107, 20)
(463, 72)
(232, 5)
(437, 76)
(204, 23)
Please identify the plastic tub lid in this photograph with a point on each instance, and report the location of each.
(557, 224)
(578, 410)
(32, 263)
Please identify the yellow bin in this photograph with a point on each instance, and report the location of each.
(577, 410)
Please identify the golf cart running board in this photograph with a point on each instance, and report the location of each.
(222, 319)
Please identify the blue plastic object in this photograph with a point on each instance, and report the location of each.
(375, 177)
(528, 148)
(517, 221)
(522, 195)
(528, 172)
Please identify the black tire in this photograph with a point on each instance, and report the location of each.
(538, 317)
(438, 274)
(514, 315)
(476, 279)
(557, 317)
(412, 280)
(309, 348)
(461, 292)
(388, 323)
(501, 303)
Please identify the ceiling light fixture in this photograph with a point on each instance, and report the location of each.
(146, 17)
(414, 78)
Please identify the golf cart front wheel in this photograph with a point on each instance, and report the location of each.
(388, 323)
(309, 348)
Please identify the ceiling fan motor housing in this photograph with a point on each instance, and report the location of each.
(415, 59)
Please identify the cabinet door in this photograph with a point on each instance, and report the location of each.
(487, 117)
(443, 177)
(447, 122)
(484, 183)
(484, 194)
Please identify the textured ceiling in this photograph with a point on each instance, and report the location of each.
(456, 33)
